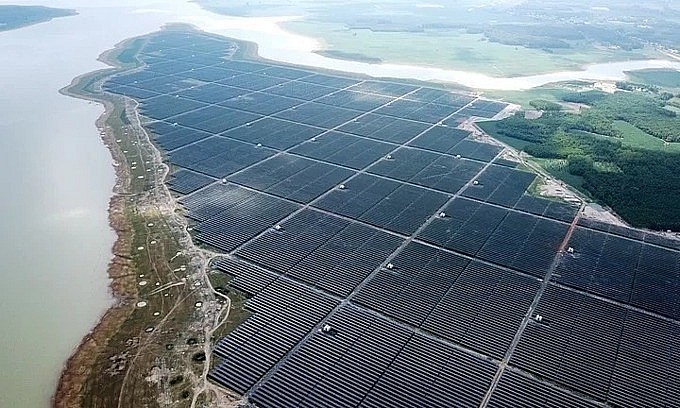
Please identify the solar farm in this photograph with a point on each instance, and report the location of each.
(390, 258)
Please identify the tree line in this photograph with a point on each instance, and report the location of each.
(641, 185)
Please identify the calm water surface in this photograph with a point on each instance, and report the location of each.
(56, 179)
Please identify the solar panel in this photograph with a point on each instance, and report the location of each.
(384, 203)
(241, 216)
(500, 185)
(483, 308)
(386, 128)
(428, 169)
(414, 285)
(322, 250)
(343, 311)
(465, 227)
(521, 391)
(354, 356)
(274, 133)
(575, 344)
(218, 157)
(185, 182)
(292, 177)
(343, 149)
(248, 352)
(429, 373)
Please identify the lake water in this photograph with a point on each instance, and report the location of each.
(57, 176)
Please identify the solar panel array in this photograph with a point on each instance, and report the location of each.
(429, 373)
(605, 350)
(186, 181)
(483, 309)
(519, 390)
(641, 235)
(445, 173)
(248, 278)
(500, 185)
(322, 250)
(455, 142)
(524, 242)
(292, 177)
(383, 202)
(343, 149)
(619, 268)
(558, 210)
(392, 259)
(286, 312)
(339, 367)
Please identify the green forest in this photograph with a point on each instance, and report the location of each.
(619, 150)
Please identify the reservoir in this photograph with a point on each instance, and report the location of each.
(57, 175)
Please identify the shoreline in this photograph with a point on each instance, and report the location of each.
(301, 50)
(311, 46)
(122, 286)
(127, 327)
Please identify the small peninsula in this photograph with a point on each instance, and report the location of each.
(13, 17)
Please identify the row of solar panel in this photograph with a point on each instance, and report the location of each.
(240, 220)
(500, 185)
(246, 277)
(629, 271)
(517, 240)
(470, 303)
(286, 312)
(602, 349)
(641, 235)
(322, 250)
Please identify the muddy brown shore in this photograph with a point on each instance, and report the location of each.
(143, 351)
(123, 286)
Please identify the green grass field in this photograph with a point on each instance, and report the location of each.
(665, 78)
(491, 128)
(631, 136)
(634, 137)
(549, 92)
(455, 50)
